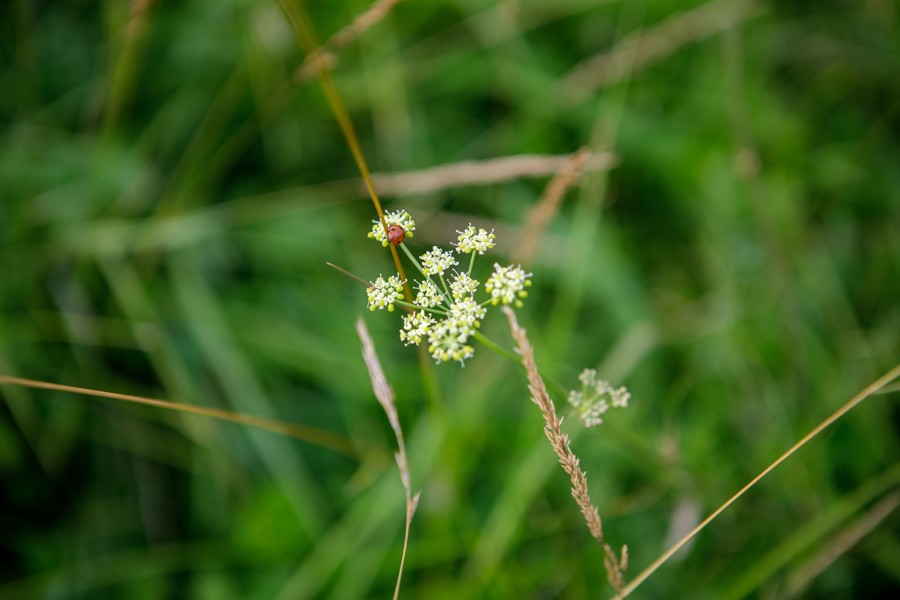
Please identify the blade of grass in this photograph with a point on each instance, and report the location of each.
(211, 330)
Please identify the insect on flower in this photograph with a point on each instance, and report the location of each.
(394, 229)
(396, 234)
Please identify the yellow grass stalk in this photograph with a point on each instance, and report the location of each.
(319, 437)
(871, 389)
(306, 38)
(560, 443)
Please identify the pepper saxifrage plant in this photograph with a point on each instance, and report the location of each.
(446, 313)
(445, 310)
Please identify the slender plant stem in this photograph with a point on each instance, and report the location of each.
(325, 439)
(849, 405)
(498, 349)
(417, 307)
(412, 258)
(306, 37)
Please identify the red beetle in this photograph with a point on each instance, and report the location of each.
(396, 234)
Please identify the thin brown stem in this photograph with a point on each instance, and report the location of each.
(548, 205)
(650, 46)
(871, 389)
(484, 172)
(323, 56)
(325, 439)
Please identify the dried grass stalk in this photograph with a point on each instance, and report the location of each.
(646, 48)
(313, 435)
(547, 207)
(560, 443)
(484, 172)
(323, 57)
(870, 390)
(385, 395)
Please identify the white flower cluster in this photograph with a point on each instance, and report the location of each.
(383, 293)
(462, 286)
(428, 296)
(507, 285)
(596, 397)
(436, 261)
(415, 327)
(472, 240)
(446, 313)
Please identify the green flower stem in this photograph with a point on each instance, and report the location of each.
(431, 385)
(497, 348)
(449, 296)
(417, 307)
(558, 390)
(471, 263)
(413, 259)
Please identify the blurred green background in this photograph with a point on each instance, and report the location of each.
(170, 193)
